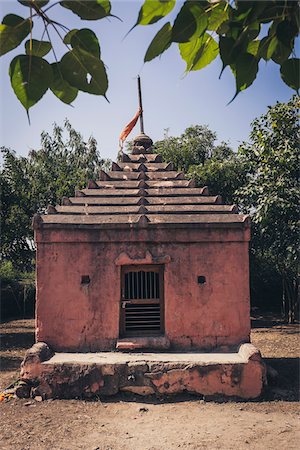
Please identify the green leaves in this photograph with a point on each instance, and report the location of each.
(290, 73)
(13, 31)
(30, 78)
(217, 15)
(154, 10)
(68, 36)
(160, 43)
(286, 32)
(245, 71)
(199, 52)
(88, 10)
(86, 39)
(38, 3)
(60, 87)
(201, 29)
(80, 69)
(190, 23)
(271, 192)
(85, 72)
(37, 48)
(239, 28)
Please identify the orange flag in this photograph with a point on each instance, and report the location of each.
(129, 126)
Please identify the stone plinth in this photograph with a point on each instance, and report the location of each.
(72, 375)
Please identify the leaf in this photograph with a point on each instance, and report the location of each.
(86, 39)
(13, 31)
(60, 87)
(88, 10)
(84, 72)
(253, 47)
(68, 36)
(160, 42)
(228, 51)
(286, 31)
(245, 71)
(191, 22)
(154, 10)
(199, 52)
(217, 15)
(39, 3)
(39, 48)
(289, 71)
(267, 47)
(30, 78)
(281, 53)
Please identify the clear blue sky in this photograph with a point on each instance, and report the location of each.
(170, 99)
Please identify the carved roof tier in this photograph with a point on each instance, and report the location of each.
(142, 191)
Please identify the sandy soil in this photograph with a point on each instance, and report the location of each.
(131, 423)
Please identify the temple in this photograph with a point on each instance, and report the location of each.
(142, 259)
(142, 287)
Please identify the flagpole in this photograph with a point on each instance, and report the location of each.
(140, 104)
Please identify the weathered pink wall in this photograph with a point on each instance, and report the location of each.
(74, 317)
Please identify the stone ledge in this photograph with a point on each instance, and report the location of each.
(73, 375)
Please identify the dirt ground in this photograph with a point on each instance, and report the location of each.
(133, 423)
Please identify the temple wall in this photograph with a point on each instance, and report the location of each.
(72, 316)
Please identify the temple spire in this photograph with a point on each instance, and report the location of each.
(140, 104)
(141, 143)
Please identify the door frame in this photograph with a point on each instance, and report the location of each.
(158, 268)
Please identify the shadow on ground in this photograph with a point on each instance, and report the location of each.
(16, 341)
(270, 320)
(286, 385)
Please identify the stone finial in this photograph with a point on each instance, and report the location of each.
(142, 144)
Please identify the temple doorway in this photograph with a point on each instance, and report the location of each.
(142, 301)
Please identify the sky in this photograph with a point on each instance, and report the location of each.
(171, 99)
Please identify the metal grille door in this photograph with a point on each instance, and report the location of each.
(142, 301)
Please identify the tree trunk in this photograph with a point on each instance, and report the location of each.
(290, 298)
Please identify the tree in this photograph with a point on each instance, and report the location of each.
(241, 32)
(194, 146)
(222, 176)
(271, 194)
(195, 153)
(29, 184)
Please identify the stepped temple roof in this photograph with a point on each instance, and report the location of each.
(142, 191)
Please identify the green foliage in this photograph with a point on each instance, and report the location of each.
(241, 32)
(222, 176)
(60, 87)
(81, 68)
(242, 42)
(154, 10)
(7, 271)
(13, 30)
(193, 147)
(215, 166)
(37, 48)
(88, 10)
(190, 23)
(28, 185)
(17, 291)
(199, 53)
(84, 72)
(30, 78)
(160, 43)
(271, 193)
(290, 73)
